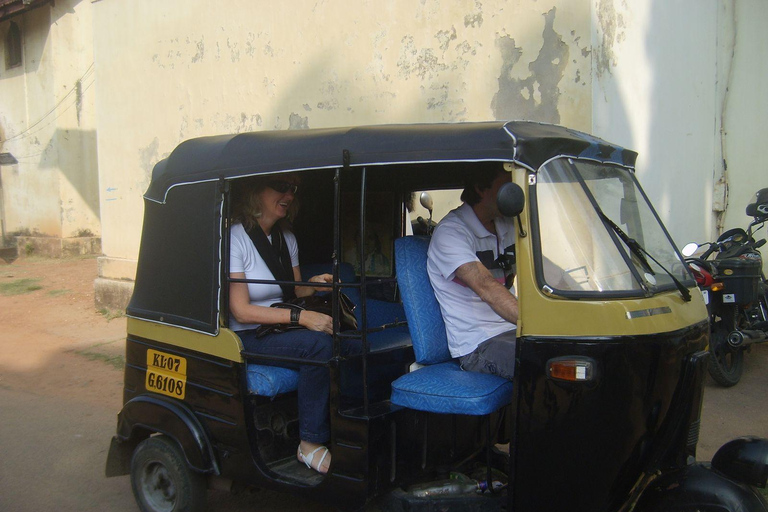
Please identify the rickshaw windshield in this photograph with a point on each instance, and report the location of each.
(589, 216)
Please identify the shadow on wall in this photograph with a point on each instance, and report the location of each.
(78, 163)
(76, 159)
(683, 122)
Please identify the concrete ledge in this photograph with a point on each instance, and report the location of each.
(112, 294)
(120, 269)
(54, 247)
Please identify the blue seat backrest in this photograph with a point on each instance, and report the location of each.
(425, 321)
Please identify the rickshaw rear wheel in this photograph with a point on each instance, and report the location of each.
(161, 479)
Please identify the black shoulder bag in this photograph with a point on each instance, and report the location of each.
(278, 260)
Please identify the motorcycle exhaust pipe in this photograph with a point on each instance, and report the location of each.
(738, 339)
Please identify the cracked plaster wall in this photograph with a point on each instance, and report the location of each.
(319, 64)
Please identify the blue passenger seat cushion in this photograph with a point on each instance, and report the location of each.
(446, 388)
(421, 308)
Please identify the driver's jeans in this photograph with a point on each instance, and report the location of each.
(314, 381)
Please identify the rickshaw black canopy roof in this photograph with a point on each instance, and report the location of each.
(178, 279)
(228, 156)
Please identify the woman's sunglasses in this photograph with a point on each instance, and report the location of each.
(283, 186)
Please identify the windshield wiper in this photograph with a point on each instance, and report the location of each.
(640, 253)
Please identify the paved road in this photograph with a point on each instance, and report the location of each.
(53, 460)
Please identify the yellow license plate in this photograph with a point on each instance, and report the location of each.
(166, 374)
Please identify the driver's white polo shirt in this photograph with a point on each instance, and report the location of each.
(460, 238)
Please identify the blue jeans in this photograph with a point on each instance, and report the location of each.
(314, 387)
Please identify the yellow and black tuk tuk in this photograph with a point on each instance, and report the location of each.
(603, 412)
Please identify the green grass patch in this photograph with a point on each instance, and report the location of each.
(118, 362)
(19, 286)
(59, 293)
(111, 314)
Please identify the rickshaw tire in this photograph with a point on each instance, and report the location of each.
(161, 479)
(724, 374)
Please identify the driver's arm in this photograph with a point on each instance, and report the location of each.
(480, 281)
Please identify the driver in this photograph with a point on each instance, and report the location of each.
(471, 264)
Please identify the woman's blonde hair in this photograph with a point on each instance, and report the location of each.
(246, 201)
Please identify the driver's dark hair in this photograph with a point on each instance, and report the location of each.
(480, 177)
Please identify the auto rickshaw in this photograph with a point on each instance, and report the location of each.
(602, 415)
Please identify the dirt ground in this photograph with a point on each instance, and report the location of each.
(61, 387)
(55, 343)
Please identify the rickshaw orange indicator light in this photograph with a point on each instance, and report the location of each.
(575, 369)
(716, 287)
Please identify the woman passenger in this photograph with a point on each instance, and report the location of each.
(263, 211)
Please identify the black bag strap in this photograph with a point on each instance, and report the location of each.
(276, 256)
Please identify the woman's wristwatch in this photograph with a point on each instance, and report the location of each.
(295, 314)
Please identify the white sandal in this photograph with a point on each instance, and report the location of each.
(307, 459)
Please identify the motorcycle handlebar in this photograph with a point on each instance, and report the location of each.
(712, 247)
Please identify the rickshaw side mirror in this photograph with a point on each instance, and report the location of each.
(510, 199)
(426, 201)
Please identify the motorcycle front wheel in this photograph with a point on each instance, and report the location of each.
(726, 364)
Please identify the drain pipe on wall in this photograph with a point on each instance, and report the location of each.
(720, 181)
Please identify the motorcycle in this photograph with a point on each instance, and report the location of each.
(729, 274)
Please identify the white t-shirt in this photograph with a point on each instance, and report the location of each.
(460, 238)
(243, 257)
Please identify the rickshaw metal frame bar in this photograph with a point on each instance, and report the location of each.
(336, 252)
(224, 226)
(276, 281)
(363, 285)
(284, 359)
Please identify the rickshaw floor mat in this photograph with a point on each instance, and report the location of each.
(292, 469)
(403, 501)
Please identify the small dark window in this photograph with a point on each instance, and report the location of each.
(13, 47)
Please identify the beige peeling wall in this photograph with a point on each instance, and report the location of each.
(47, 124)
(172, 70)
(683, 83)
(655, 91)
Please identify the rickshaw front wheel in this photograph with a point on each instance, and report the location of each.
(161, 479)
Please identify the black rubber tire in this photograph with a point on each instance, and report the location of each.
(726, 364)
(161, 479)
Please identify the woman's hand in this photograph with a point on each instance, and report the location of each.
(322, 278)
(315, 321)
(304, 291)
